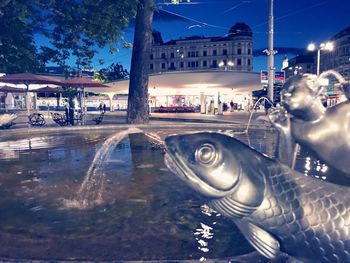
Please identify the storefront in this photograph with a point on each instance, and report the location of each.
(204, 91)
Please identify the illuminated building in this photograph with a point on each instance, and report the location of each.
(230, 52)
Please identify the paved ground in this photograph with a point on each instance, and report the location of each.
(118, 118)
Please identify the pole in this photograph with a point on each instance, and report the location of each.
(28, 103)
(318, 61)
(271, 54)
(27, 99)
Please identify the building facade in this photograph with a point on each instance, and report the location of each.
(339, 59)
(231, 52)
(300, 64)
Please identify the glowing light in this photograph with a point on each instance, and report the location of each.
(311, 47)
(329, 46)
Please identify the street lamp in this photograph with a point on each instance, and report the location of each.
(297, 69)
(230, 63)
(323, 46)
(223, 64)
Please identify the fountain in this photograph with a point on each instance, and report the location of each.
(104, 195)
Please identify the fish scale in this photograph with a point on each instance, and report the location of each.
(276, 208)
(313, 219)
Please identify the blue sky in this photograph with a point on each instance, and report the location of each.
(297, 23)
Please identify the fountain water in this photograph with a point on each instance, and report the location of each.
(255, 104)
(90, 191)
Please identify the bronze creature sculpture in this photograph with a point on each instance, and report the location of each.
(277, 209)
(304, 120)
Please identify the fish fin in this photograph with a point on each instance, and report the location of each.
(260, 239)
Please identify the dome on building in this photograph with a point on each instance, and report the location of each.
(240, 29)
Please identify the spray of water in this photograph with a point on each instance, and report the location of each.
(251, 114)
(90, 191)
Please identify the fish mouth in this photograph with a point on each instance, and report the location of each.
(175, 164)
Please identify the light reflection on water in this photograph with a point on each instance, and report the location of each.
(147, 213)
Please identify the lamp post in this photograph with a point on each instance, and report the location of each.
(226, 65)
(323, 46)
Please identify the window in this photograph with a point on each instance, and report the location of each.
(248, 62)
(204, 63)
(239, 51)
(163, 65)
(197, 64)
(193, 64)
(239, 62)
(172, 66)
(151, 66)
(163, 55)
(193, 54)
(224, 52)
(215, 64)
(215, 52)
(189, 54)
(249, 51)
(172, 55)
(181, 65)
(197, 53)
(151, 56)
(188, 64)
(205, 53)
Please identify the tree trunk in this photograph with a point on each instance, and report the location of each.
(138, 87)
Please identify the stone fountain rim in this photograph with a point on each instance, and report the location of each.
(163, 126)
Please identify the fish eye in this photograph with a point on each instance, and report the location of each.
(206, 154)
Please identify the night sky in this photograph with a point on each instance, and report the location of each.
(297, 23)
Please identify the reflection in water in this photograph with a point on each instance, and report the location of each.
(10, 149)
(204, 233)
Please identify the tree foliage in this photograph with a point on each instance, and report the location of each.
(112, 73)
(18, 19)
(75, 29)
(79, 27)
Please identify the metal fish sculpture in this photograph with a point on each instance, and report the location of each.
(277, 209)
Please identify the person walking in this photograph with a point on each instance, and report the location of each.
(231, 105)
(104, 107)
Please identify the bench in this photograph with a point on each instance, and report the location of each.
(60, 119)
(36, 119)
(99, 118)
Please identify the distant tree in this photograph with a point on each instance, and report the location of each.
(113, 72)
